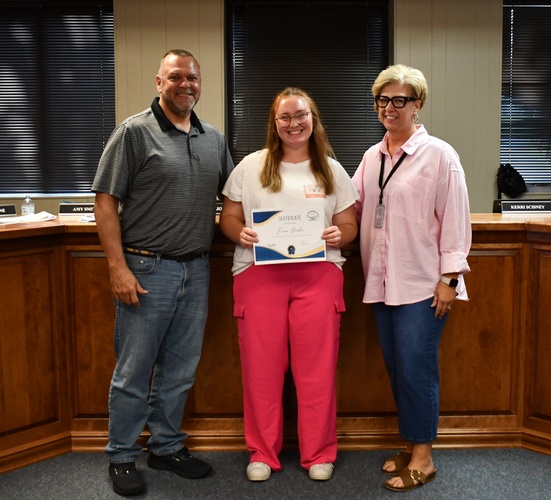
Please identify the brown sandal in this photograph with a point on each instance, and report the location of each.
(400, 460)
(411, 479)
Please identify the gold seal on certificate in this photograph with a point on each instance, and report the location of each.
(290, 235)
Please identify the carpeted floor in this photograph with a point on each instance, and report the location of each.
(485, 474)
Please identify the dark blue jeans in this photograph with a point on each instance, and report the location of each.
(410, 337)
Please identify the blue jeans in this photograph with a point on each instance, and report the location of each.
(161, 340)
(410, 337)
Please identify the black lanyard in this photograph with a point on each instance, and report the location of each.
(381, 185)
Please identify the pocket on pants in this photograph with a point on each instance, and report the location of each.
(139, 264)
(340, 306)
(238, 310)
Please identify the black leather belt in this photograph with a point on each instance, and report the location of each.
(178, 258)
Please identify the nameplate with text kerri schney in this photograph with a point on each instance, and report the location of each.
(526, 207)
(76, 208)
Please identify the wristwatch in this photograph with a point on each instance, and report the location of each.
(451, 282)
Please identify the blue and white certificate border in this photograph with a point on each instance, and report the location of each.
(265, 255)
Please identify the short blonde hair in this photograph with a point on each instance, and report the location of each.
(399, 73)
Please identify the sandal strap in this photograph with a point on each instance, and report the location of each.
(418, 476)
(407, 478)
(400, 460)
(411, 477)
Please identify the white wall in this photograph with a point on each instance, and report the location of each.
(457, 45)
(146, 29)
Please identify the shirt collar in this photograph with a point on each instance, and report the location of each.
(166, 124)
(412, 144)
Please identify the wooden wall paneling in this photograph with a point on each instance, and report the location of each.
(213, 415)
(495, 376)
(478, 363)
(363, 387)
(217, 389)
(92, 317)
(480, 352)
(538, 369)
(366, 413)
(28, 357)
(33, 371)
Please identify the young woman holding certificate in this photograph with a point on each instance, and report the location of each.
(293, 306)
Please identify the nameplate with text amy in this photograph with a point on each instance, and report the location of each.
(76, 208)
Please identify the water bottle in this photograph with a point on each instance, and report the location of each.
(27, 207)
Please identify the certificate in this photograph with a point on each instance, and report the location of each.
(290, 235)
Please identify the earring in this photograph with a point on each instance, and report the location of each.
(415, 118)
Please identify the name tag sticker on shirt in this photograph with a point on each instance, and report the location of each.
(314, 191)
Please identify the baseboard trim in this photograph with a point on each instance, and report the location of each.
(82, 441)
(35, 451)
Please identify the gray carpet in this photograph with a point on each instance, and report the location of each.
(485, 474)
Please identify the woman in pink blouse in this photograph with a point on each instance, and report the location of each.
(415, 236)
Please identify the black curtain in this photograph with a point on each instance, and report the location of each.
(526, 91)
(332, 49)
(57, 94)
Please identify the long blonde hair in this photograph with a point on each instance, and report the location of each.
(318, 144)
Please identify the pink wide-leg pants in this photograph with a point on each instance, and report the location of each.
(296, 308)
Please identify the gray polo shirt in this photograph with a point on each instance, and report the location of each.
(166, 179)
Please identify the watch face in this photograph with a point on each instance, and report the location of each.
(453, 282)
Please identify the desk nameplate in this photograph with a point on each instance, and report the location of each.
(76, 208)
(525, 207)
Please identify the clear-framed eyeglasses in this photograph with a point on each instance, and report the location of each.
(300, 118)
(398, 101)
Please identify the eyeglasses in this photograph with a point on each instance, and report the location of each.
(398, 101)
(300, 118)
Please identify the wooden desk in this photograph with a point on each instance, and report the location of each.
(56, 348)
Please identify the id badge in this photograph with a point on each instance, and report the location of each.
(379, 215)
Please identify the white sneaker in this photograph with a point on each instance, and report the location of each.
(258, 471)
(321, 472)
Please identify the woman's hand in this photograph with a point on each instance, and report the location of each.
(332, 236)
(444, 297)
(247, 237)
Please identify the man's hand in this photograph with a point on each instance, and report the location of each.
(125, 286)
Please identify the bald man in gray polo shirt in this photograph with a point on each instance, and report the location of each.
(156, 188)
